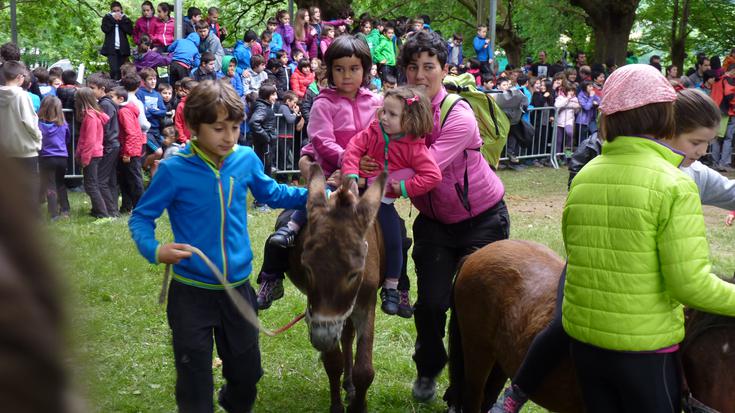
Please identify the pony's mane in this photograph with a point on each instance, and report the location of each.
(698, 322)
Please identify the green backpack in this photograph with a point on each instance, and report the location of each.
(493, 123)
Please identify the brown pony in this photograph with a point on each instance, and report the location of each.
(505, 294)
(337, 262)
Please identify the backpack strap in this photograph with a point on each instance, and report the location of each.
(447, 104)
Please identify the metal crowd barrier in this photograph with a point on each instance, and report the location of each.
(286, 151)
(73, 169)
(544, 133)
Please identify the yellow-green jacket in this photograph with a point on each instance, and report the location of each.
(635, 240)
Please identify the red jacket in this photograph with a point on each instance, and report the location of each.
(300, 82)
(407, 152)
(90, 136)
(131, 136)
(180, 124)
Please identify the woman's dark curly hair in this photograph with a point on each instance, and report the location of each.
(423, 41)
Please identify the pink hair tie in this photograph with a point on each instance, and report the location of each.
(410, 101)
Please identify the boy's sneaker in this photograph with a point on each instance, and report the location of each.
(390, 298)
(269, 291)
(511, 401)
(405, 309)
(424, 389)
(284, 237)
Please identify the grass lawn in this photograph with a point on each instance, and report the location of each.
(120, 342)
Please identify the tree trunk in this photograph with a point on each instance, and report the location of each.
(679, 34)
(611, 22)
(508, 38)
(331, 9)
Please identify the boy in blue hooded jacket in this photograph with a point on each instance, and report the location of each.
(204, 188)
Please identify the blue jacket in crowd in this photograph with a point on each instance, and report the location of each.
(186, 50)
(155, 108)
(482, 52)
(243, 54)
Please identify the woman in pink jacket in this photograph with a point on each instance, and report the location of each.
(396, 141)
(163, 28)
(89, 148)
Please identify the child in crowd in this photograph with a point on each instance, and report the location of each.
(213, 22)
(243, 51)
(278, 75)
(155, 109)
(172, 147)
(90, 147)
(265, 44)
(67, 90)
(290, 123)
(132, 140)
(209, 42)
(184, 57)
(302, 78)
(163, 26)
(53, 156)
(298, 55)
(262, 125)
(44, 85)
(389, 83)
(276, 43)
(193, 16)
(131, 83)
(107, 168)
(375, 79)
(206, 69)
(327, 38)
(305, 37)
(229, 72)
(587, 116)
(145, 23)
(315, 64)
(319, 83)
(339, 112)
(169, 101)
(183, 186)
(187, 85)
(148, 58)
(284, 29)
(55, 82)
(255, 77)
(567, 106)
(396, 141)
(26, 85)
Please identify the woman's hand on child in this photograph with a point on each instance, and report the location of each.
(335, 179)
(729, 218)
(368, 164)
(172, 253)
(126, 159)
(395, 187)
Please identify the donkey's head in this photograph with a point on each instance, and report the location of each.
(334, 252)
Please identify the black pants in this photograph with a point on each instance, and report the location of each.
(615, 382)
(107, 172)
(53, 169)
(131, 183)
(438, 249)
(29, 168)
(390, 225)
(199, 318)
(547, 349)
(115, 60)
(92, 188)
(176, 72)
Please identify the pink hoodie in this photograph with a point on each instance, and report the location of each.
(143, 26)
(455, 148)
(334, 120)
(162, 32)
(90, 136)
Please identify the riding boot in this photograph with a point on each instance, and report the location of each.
(511, 401)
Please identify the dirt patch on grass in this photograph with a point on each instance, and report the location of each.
(547, 206)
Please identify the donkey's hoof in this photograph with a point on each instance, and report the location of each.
(354, 408)
(349, 392)
(337, 408)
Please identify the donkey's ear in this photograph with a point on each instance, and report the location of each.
(369, 204)
(317, 188)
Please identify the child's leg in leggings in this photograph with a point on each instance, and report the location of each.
(546, 350)
(404, 284)
(391, 226)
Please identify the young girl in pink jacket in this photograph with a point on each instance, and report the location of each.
(89, 148)
(396, 141)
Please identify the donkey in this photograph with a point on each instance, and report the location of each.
(337, 262)
(505, 294)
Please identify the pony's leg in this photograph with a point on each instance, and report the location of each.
(348, 337)
(478, 362)
(363, 372)
(493, 386)
(333, 365)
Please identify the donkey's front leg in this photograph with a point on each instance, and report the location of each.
(332, 360)
(348, 338)
(363, 373)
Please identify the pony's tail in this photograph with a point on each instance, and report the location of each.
(454, 395)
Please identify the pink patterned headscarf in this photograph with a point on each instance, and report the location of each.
(633, 86)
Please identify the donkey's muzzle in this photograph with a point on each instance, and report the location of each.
(325, 332)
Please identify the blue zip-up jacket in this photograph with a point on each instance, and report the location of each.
(207, 207)
(243, 54)
(482, 52)
(275, 45)
(186, 50)
(155, 108)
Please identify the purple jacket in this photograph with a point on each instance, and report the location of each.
(588, 113)
(455, 148)
(54, 139)
(152, 59)
(286, 33)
